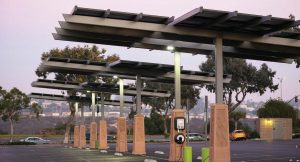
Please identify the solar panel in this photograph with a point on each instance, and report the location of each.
(201, 18)
(122, 15)
(142, 66)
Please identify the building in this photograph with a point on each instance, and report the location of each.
(275, 128)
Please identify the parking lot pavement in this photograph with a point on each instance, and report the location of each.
(59, 153)
(241, 151)
(244, 151)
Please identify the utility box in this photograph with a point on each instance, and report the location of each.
(275, 128)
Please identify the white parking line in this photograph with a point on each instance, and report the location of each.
(269, 159)
(246, 156)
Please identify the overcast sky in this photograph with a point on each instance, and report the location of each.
(26, 27)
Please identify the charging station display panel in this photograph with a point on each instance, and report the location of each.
(180, 123)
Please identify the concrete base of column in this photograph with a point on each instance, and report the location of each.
(121, 145)
(139, 147)
(93, 134)
(176, 150)
(82, 140)
(219, 134)
(76, 136)
(102, 132)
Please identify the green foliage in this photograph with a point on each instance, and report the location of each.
(278, 109)
(249, 132)
(36, 109)
(12, 103)
(86, 53)
(187, 92)
(154, 124)
(254, 134)
(237, 115)
(246, 79)
(160, 105)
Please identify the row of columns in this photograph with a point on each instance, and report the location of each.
(121, 143)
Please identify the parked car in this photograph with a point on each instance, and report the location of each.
(196, 137)
(238, 135)
(111, 137)
(35, 140)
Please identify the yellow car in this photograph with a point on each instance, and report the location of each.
(238, 135)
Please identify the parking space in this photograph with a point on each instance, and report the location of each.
(241, 151)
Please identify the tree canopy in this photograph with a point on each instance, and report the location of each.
(236, 116)
(11, 105)
(246, 79)
(277, 109)
(86, 53)
(36, 109)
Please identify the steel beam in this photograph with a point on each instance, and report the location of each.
(219, 69)
(175, 37)
(52, 66)
(121, 84)
(138, 94)
(177, 70)
(159, 44)
(65, 98)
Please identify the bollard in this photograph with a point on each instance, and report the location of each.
(187, 154)
(205, 154)
(97, 144)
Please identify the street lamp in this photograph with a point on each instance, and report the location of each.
(170, 48)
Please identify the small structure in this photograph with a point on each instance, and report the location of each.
(275, 128)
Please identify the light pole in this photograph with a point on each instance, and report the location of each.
(280, 80)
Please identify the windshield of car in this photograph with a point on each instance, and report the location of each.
(239, 131)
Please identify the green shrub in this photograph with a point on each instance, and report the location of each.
(254, 134)
(296, 135)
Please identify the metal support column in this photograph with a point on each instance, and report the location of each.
(76, 113)
(177, 81)
(82, 115)
(93, 105)
(205, 110)
(121, 84)
(219, 69)
(188, 121)
(138, 94)
(102, 106)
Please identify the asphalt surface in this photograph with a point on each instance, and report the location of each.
(241, 151)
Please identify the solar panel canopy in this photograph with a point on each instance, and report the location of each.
(194, 32)
(128, 70)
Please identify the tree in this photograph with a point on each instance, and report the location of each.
(11, 104)
(163, 105)
(278, 109)
(86, 53)
(246, 79)
(236, 116)
(2, 94)
(36, 109)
